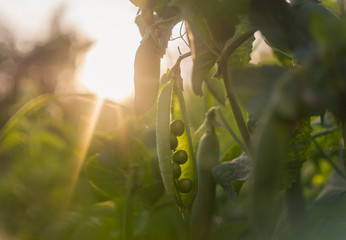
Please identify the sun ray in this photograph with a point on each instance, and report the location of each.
(85, 140)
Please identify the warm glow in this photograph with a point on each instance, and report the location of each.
(108, 68)
(83, 147)
(106, 75)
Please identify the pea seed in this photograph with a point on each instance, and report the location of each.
(185, 185)
(177, 127)
(180, 157)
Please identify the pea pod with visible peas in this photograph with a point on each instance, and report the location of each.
(171, 125)
(207, 159)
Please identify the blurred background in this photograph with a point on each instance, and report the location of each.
(93, 44)
(66, 96)
(82, 51)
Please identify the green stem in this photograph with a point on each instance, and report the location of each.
(238, 115)
(229, 129)
(227, 82)
(324, 132)
(326, 156)
(234, 45)
(180, 58)
(128, 205)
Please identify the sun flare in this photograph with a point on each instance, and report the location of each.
(106, 76)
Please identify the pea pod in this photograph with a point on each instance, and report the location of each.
(189, 168)
(171, 106)
(207, 159)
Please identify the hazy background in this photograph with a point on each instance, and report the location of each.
(109, 24)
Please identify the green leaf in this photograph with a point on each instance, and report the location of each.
(107, 180)
(151, 193)
(31, 106)
(217, 89)
(204, 58)
(210, 25)
(232, 174)
(242, 55)
(146, 75)
(271, 18)
(231, 153)
(108, 170)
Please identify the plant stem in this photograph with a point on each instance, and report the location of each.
(227, 81)
(336, 168)
(128, 205)
(180, 58)
(229, 129)
(234, 45)
(324, 132)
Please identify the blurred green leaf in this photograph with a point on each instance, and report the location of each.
(326, 214)
(108, 170)
(231, 153)
(150, 194)
(232, 174)
(216, 88)
(210, 25)
(242, 55)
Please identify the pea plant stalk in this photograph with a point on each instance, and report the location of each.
(227, 82)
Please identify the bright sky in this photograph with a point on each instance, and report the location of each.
(108, 69)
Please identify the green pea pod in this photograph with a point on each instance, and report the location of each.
(146, 76)
(207, 159)
(171, 106)
(188, 169)
(163, 139)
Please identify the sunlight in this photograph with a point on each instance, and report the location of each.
(83, 148)
(108, 67)
(106, 75)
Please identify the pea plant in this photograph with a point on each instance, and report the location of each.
(283, 160)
